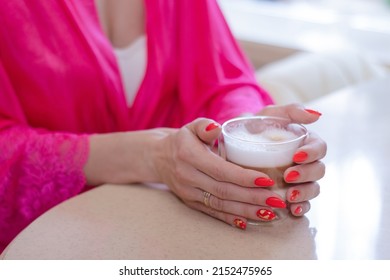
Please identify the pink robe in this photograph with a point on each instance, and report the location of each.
(59, 83)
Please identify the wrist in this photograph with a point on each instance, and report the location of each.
(159, 154)
(125, 157)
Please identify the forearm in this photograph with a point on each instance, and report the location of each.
(124, 157)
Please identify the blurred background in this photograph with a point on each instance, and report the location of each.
(303, 49)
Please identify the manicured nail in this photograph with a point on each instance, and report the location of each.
(212, 126)
(266, 214)
(292, 176)
(240, 223)
(294, 195)
(298, 210)
(275, 202)
(313, 112)
(264, 182)
(300, 156)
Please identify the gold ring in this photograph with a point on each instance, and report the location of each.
(206, 198)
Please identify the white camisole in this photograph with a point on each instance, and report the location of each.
(132, 65)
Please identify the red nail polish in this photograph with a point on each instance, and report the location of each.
(266, 214)
(240, 223)
(313, 112)
(275, 202)
(292, 176)
(300, 156)
(212, 126)
(264, 182)
(298, 210)
(294, 195)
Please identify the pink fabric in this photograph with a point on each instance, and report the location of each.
(195, 68)
(59, 82)
(37, 171)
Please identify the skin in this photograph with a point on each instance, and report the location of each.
(184, 159)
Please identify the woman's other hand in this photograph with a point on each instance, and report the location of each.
(308, 167)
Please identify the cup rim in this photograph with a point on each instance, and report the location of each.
(225, 124)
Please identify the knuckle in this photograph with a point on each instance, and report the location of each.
(212, 212)
(307, 207)
(216, 203)
(183, 193)
(183, 152)
(218, 172)
(316, 189)
(322, 169)
(227, 218)
(324, 144)
(246, 212)
(179, 173)
(293, 106)
(255, 196)
(312, 191)
(321, 146)
(221, 191)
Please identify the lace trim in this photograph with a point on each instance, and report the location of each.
(37, 171)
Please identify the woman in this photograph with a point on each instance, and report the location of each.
(66, 122)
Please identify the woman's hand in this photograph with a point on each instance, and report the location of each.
(208, 183)
(308, 168)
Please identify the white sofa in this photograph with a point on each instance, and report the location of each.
(302, 77)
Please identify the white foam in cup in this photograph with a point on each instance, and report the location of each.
(262, 142)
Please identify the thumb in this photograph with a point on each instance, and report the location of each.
(206, 130)
(294, 112)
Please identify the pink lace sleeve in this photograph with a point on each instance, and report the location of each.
(37, 171)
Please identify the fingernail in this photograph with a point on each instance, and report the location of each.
(275, 202)
(298, 210)
(266, 214)
(240, 223)
(292, 176)
(294, 195)
(313, 112)
(264, 182)
(300, 156)
(212, 126)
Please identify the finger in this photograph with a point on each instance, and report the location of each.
(313, 148)
(299, 209)
(295, 112)
(224, 171)
(206, 130)
(305, 172)
(232, 192)
(198, 182)
(254, 212)
(303, 192)
(234, 220)
(221, 170)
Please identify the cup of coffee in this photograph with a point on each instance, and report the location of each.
(266, 144)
